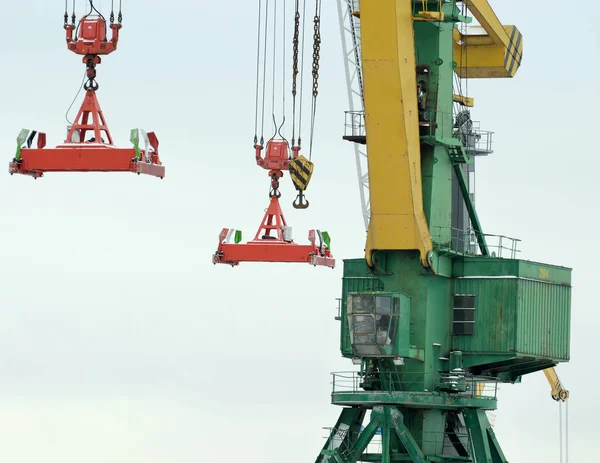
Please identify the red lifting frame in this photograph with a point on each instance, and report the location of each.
(269, 245)
(97, 154)
(94, 155)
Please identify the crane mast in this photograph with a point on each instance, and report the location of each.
(437, 313)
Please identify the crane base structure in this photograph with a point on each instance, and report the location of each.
(433, 345)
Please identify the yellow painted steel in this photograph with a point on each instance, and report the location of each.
(497, 54)
(559, 393)
(301, 170)
(479, 389)
(464, 100)
(484, 13)
(391, 115)
(428, 15)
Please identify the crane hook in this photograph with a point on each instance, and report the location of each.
(301, 202)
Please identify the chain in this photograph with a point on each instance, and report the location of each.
(316, 51)
(315, 72)
(296, 45)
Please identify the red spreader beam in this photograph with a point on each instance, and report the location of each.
(88, 148)
(272, 243)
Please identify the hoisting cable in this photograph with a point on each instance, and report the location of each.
(315, 72)
(283, 89)
(112, 12)
(301, 76)
(67, 13)
(295, 69)
(274, 67)
(264, 82)
(560, 431)
(567, 431)
(257, 72)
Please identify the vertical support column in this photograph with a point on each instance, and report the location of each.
(385, 442)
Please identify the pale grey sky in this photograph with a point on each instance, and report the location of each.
(121, 341)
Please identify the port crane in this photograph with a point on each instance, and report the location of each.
(351, 44)
(89, 144)
(437, 313)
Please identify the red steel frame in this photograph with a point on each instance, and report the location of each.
(269, 245)
(95, 154)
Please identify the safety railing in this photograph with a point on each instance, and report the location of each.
(477, 142)
(459, 241)
(338, 308)
(438, 125)
(354, 125)
(433, 125)
(463, 384)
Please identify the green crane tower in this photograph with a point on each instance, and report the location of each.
(438, 313)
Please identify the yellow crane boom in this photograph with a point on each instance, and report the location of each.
(559, 393)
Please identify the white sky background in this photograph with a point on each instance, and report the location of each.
(121, 341)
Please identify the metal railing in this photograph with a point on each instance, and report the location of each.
(439, 125)
(459, 241)
(338, 308)
(476, 142)
(354, 124)
(386, 382)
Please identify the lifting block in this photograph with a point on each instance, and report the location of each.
(272, 243)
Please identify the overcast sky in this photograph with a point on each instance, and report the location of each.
(121, 341)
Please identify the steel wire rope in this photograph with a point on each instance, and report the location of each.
(560, 431)
(466, 54)
(257, 72)
(274, 57)
(302, 73)
(284, 43)
(264, 82)
(567, 431)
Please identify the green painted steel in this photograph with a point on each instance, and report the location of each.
(517, 316)
(434, 342)
(469, 266)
